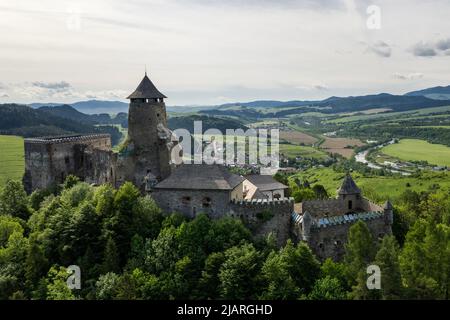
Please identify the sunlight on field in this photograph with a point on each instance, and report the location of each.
(11, 158)
(419, 150)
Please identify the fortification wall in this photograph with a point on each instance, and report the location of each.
(329, 242)
(51, 160)
(188, 202)
(323, 208)
(368, 205)
(264, 216)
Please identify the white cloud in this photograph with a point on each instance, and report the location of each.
(198, 50)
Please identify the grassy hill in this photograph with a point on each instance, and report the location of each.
(419, 150)
(12, 163)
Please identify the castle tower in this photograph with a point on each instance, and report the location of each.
(146, 156)
(350, 193)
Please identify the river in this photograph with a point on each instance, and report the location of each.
(361, 157)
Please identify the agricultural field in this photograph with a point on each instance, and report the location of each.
(342, 146)
(419, 150)
(297, 137)
(12, 163)
(377, 188)
(292, 151)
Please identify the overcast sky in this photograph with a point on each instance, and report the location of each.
(217, 51)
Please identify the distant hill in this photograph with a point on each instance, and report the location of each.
(69, 112)
(25, 121)
(207, 123)
(268, 104)
(97, 106)
(91, 106)
(331, 105)
(383, 100)
(437, 93)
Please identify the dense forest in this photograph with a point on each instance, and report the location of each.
(128, 249)
(27, 122)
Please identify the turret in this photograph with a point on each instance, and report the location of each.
(350, 193)
(147, 151)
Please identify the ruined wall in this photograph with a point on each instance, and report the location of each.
(50, 160)
(368, 205)
(329, 242)
(322, 208)
(264, 216)
(215, 203)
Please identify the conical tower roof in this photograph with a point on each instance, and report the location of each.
(349, 186)
(146, 90)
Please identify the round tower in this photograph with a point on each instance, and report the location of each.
(147, 149)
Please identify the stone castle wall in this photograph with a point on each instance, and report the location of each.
(329, 242)
(215, 203)
(265, 216)
(50, 160)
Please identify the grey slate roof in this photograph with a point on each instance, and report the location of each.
(349, 186)
(201, 177)
(265, 182)
(146, 90)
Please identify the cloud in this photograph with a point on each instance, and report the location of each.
(4, 95)
(62, 85)
(443, 44)
(432, 49)
(320, 87)
(423, 49)
(408, 76)
(381, 49)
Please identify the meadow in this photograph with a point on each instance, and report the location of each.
(291, 151)
(376, 188)
(12, 161)
(419, 150)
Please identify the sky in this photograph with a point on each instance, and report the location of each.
(203, 52)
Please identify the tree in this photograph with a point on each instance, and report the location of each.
(70, 181)
(209, 281)
(302, 194)
(425, 261)
(121, 224)
(387, 260)
(279, 283)
(111, 257)
(56, 283)
(320, 191)
(36, 264)
(237, 273)
(327, 288)
(335, 270)
(14, 200)
(106, 286)
(360, 250)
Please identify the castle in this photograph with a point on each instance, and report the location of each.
(190, 189)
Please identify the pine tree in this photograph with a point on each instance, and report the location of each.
(111, 257)
(387, 260)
